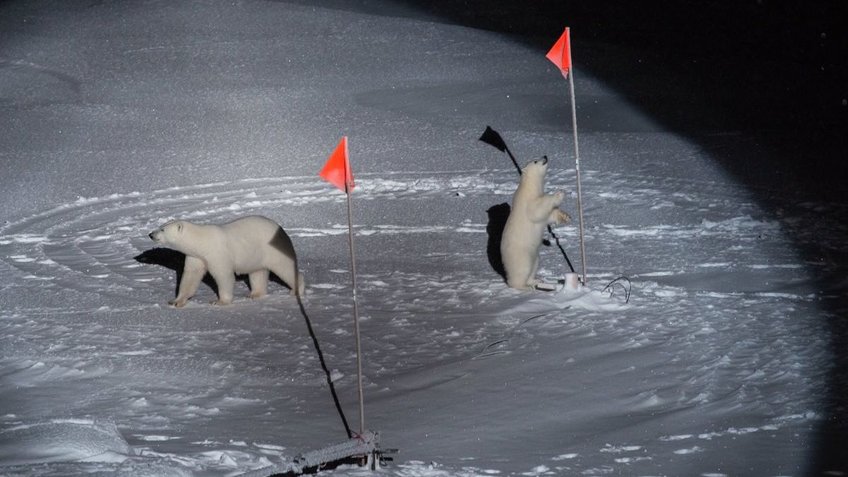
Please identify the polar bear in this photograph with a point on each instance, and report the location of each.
(252, 245)
(532, 210)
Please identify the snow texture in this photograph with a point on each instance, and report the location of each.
(119, 116)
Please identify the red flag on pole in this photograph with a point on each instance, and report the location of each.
(560, 53)
(337, 171)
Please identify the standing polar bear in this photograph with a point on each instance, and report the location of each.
(532, 210)
(252, 245)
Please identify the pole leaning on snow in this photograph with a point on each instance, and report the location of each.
(560, 55)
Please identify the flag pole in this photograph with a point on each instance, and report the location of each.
(337, 171)
(355, 313)
(560, 55)
(577, 169)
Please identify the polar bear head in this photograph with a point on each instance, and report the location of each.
(533, 175)
(169, 233)
(537, 167)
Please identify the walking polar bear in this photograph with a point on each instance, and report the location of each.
(532, 210)
(252, 245)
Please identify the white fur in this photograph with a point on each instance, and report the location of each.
(532, 210)
(252, 245)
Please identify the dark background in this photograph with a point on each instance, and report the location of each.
(777, 71)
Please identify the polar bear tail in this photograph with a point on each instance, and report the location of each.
(300, 286)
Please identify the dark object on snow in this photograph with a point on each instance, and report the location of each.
(363, 450)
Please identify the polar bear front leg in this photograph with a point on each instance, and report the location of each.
(225, 278)
(258, 283)
(558, 217)
(544, 205)
(193, 272)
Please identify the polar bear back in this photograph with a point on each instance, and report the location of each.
(254, 241)
(522, 235)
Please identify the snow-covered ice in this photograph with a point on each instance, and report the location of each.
(119, 116)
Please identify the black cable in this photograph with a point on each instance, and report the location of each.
(619, 282)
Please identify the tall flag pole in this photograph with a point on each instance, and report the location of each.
(337, 171)
(560, 55)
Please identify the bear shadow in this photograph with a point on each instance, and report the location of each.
(172, 260)
(494, 229)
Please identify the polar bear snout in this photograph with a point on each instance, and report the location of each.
(154, 235)
(538, 165)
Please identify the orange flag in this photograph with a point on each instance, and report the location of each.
(337, 169)
(560, 53)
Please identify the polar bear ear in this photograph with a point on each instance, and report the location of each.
(179, 226)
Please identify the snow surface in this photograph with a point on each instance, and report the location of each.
(120, 116)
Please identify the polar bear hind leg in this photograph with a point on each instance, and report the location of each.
(522, 276)
(531, 279)
(225, 278)
(519, 275)
(258, 283)
(301, 285)
(287, 274)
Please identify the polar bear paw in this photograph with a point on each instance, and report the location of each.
(560, 217)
